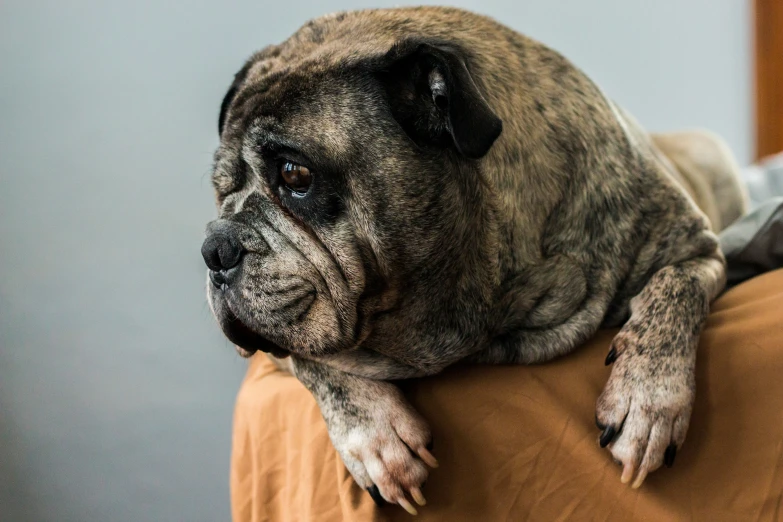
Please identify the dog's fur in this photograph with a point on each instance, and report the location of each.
(476, 198)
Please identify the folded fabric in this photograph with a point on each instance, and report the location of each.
(754, 244)
(764, 180)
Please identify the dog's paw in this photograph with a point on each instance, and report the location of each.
(387, 450)
(645, 407)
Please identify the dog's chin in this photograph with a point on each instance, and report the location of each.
(248, 342)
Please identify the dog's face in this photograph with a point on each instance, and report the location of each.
(338, 182)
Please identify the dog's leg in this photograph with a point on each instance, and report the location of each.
(646, 405)
(380, 438)
(364, 363)
(544, 344)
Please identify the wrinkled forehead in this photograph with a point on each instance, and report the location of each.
(320, 111)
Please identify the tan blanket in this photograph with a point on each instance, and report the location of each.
(520, 443)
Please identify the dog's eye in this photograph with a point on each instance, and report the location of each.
(296, 177)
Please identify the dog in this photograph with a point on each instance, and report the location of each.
(400, 190)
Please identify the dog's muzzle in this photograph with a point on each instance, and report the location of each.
(223, 254)
(247, 341)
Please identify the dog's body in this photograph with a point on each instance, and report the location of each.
(426, 236)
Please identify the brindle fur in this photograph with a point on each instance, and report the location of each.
(422, 244)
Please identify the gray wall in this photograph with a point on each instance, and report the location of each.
(116, 388)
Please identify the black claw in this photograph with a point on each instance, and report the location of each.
(668, 457)
(607, 436)
(611, 357)
(376, 495)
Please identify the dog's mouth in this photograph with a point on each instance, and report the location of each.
(249, 342)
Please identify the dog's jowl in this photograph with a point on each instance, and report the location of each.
(399, 190)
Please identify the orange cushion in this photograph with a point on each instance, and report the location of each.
(519, 442)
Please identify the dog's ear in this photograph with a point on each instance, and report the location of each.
(434, 98)
(229, 97)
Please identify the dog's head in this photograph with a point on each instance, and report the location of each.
(345, 178)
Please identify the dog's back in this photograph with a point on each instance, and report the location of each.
(708, 172)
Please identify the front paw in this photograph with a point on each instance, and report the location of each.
(385, 446)
(645, 407)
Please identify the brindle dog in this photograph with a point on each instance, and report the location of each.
(403, 189)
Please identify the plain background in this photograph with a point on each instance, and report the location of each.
(116, 387)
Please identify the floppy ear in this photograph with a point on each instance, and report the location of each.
(435, 99)
(229, 97)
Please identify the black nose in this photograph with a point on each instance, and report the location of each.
(221, 251)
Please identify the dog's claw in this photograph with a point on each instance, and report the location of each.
(427, 457)
(607, 436)
(639, 478)
(668, 456)
(418, 497)
(627, 475)
(376, 495)
(407, 506)
(611, 356)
